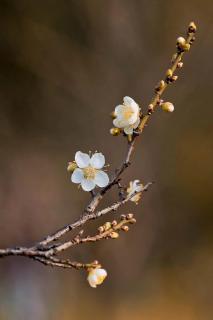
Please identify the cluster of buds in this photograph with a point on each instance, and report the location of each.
(182, 43)
(112, 229)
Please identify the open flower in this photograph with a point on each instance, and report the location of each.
(96, 276)
(127, 115)
(88, 173)
(135, 187)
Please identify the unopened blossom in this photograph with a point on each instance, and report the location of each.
(127, 115)
(88, 172)
(96, 276)
(167, 106)
(135, 187)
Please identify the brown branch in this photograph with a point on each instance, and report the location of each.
(91, 207)
(44, 251)
(109, 230)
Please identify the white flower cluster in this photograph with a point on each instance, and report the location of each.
(88, 171)
(127, 115)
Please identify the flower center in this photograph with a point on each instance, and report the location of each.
(89, 173)
(127, 113)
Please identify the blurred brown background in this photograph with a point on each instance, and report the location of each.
(64, 66)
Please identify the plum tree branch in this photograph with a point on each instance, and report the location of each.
(46, 251)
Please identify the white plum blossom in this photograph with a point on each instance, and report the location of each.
(96, 277)
(134, 187)
(127, 115)
(88, 173)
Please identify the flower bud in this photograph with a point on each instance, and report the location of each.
(150, 109)
(71, 166)
(114, 235)
(129, 216)
(192, 40)
(181, 41)
(114, 223)
(167, 106)
(186, 47)
(125, 228)
(101, 229)
(174, 78)
(107, 226)
(169, 73)
(115, 131)
(192, 27)
(180, 64)
(96, 276)
(160, 85)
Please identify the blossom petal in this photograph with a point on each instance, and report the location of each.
(93, 280)
(131, 103)
(87, 185)
(119, 109)
(82, 159)
(133, 119)
(128, 130)
(136, 124)
(120, 123)
(96, 277)
(97, 161)
(137, 186)
(128, 100)
(101, 179)
(101, 273)
(77, 176)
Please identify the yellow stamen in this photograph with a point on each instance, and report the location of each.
(89, 173)
(127, 113)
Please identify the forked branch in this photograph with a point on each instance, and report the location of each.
(47, 250)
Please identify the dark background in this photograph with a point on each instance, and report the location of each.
(64, 66)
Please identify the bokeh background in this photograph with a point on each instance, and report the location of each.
(64, 66)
